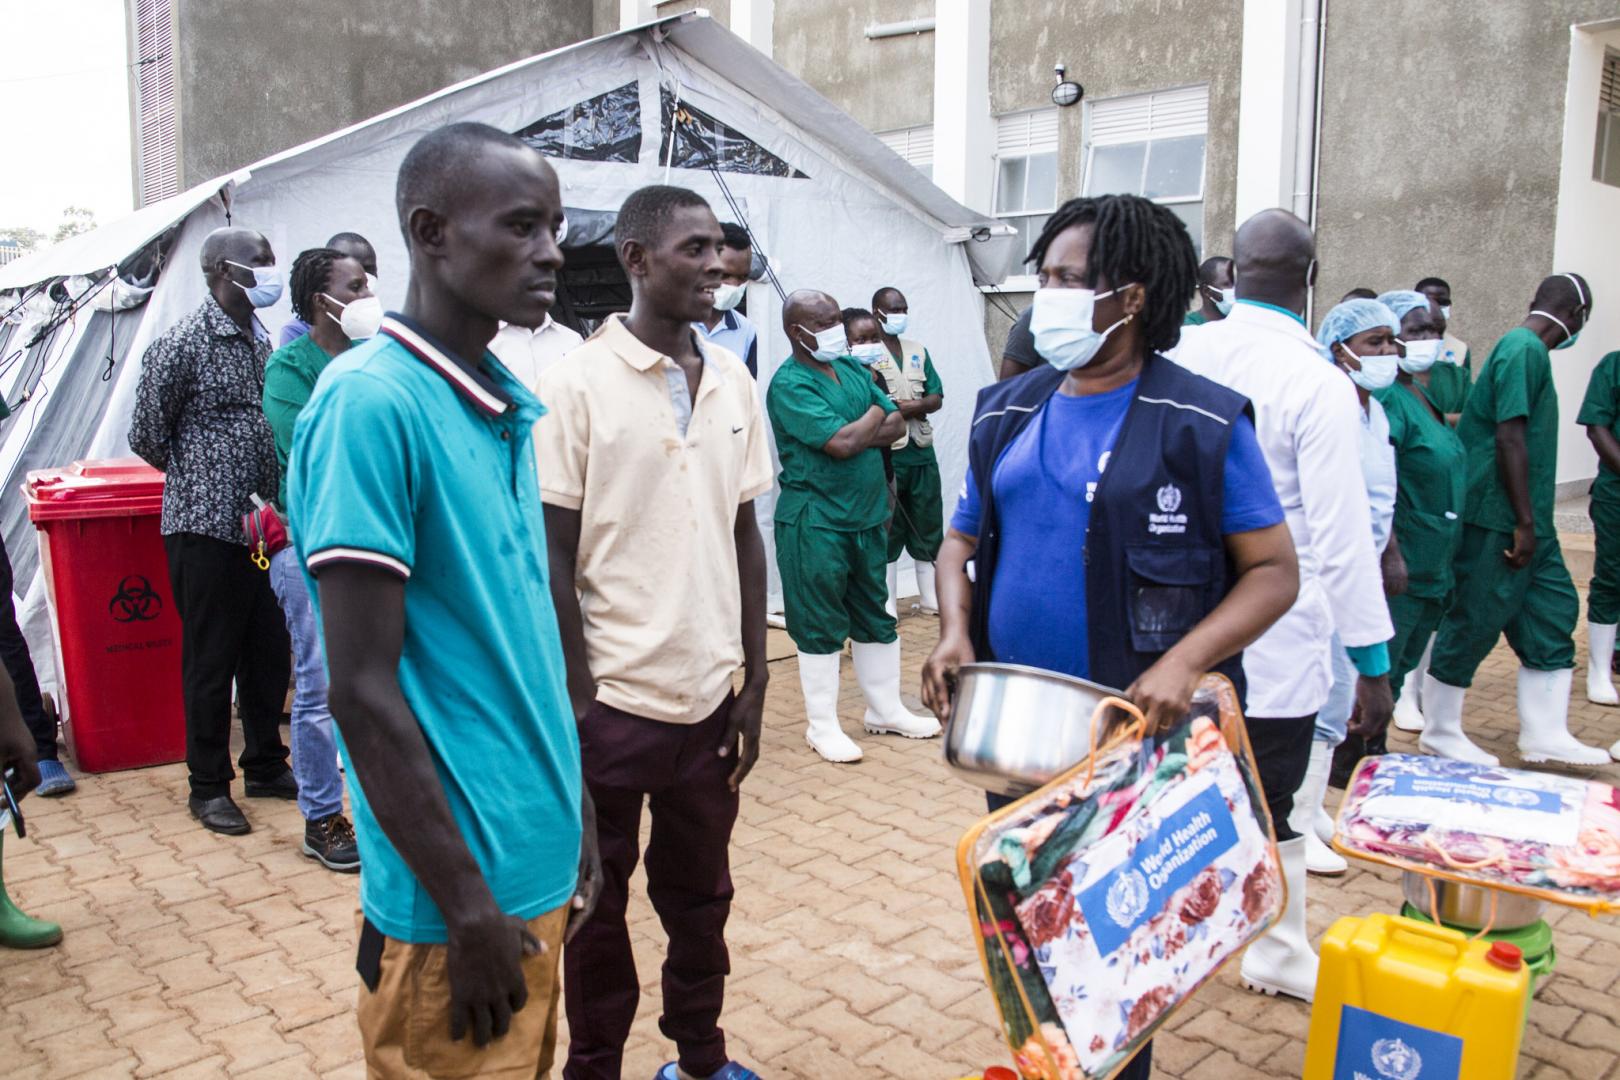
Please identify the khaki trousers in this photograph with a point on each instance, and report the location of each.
(405, 1022)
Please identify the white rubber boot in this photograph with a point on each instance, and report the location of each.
(1319, 858)
(1544, 721)
(877, 669)
(1409, 706)
(893, 606)
(818, 678)
(1599, 655)
(927, 598)
(1408, 717)
(1282, 961)
(1442, 724)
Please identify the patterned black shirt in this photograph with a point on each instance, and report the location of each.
(199, 416)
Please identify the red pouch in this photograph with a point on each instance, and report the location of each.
(266, 532)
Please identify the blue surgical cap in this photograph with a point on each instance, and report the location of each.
(1352, 317)
(1402, 301)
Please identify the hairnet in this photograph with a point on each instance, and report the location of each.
(1352, 317)
(1402, 301)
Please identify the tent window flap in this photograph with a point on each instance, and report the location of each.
(703, 142)
(606, 127)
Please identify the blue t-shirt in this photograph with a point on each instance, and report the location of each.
(1043, 484)
(404, 461)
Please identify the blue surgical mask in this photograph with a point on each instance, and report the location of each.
(1420, 356)
(1222, 298)
(894, 324)
(831, 343)
(1061, 325)
(266, 287)
(1376, 372)
(869, 353)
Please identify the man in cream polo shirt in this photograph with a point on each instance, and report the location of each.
(651, 454)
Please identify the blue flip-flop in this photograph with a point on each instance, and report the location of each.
(729, 1071)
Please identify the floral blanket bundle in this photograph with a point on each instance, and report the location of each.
(1103, 900)
(1550, 836)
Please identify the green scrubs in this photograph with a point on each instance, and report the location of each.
(1536, 606)
(918, 525)
(1602, 409)
(1429, 465)
(1194, 318)
(1449, 385)
(832, 515)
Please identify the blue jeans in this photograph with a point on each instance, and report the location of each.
(1333, 720)
(314, 751)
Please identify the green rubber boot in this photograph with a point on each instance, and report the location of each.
(18, 931)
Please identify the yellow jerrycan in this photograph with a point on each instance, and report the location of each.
(1398, 999)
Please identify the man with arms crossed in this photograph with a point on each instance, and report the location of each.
(415, 509)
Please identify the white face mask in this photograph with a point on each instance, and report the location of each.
(1376, 372)
(727, 297)
(1445, 312)
(361, 319)
(1420, 356)
(831, 343)
(1222, 299)
(894, 324)
(869, 353)
(1061, 325)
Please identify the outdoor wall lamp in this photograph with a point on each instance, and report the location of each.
(1067, 91)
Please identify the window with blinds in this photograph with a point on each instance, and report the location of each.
(1027, 171)
(1152, 145)
(1606, 157)
(158, 153)
(915, 144)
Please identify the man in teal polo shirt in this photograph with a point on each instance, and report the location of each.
(418, 516)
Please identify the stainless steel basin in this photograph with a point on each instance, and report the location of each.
(1015, 728)
(1470, 905)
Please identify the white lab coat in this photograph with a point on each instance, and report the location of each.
(1309, 424)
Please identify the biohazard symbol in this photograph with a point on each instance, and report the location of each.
(135, 601)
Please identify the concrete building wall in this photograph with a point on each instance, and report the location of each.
(1445, 159)
(256, 80)
(885, 83)
(1114, 49)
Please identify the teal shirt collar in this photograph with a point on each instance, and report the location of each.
(1273, 307)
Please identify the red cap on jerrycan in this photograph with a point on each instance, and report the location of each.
(1505, 955)
(999, 1072)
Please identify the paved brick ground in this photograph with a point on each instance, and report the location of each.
(189, 954)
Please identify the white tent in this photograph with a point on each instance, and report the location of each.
(832, 207)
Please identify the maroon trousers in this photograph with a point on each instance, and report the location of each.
(678, 769)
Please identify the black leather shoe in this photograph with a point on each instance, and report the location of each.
(282, 787)
(220, 815)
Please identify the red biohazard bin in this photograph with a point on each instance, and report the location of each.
(117, 630)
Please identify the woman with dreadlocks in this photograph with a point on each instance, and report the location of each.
(331, 294)
(1128, 497)
(1144, 573)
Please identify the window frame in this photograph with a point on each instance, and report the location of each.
(1608, 120)
(1161, 122)
(1037, 141)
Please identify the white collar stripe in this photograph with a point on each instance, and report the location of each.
(445, 366)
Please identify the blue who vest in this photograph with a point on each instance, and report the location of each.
(1155, 559)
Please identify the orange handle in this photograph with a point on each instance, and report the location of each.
(1132, 730)
(1499, 855)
